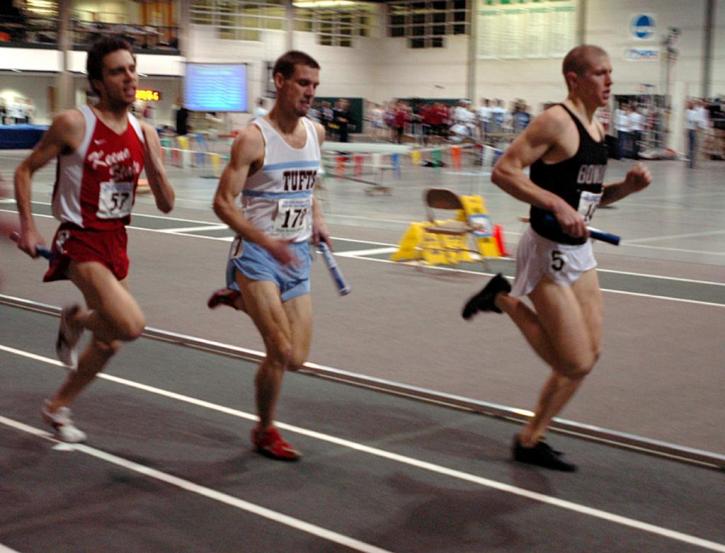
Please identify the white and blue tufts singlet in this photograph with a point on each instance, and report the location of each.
(277, 199)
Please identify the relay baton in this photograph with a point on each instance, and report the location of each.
(342, 287)
(602, 236)
(41, 250)
(595, 233)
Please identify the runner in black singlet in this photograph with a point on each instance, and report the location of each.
(555, 266)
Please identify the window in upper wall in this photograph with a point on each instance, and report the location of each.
(239, 19)
(335, 25)
(426, 23)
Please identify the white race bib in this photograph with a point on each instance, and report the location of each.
(588, 202)
(115, 200)
(292, 217)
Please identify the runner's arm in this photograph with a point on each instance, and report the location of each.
(638, 178)
(156, 172)
(319, 227)
(540, 137)
(67, 129)
(247, 148)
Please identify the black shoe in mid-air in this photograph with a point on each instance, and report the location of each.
(485, 299)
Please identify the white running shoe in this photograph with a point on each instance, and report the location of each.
(68, 336)
(63, 425)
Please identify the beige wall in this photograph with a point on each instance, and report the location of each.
(380, 68)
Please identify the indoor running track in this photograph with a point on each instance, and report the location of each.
(168, 468)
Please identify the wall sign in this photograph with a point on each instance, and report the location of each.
(642, 26)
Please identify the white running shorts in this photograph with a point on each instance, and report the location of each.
(537, 257)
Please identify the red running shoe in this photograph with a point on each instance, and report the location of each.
(223, 296)
(270, 444)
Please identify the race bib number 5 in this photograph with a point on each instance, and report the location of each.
(292, 216)
(115, 200)
(588, 202)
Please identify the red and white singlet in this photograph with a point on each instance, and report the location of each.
(95, 185)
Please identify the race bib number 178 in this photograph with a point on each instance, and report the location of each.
(291, 216)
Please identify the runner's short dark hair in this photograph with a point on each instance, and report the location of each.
(286, 63)
(99, 50)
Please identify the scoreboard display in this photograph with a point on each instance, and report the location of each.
(146, 95)
(216, 87)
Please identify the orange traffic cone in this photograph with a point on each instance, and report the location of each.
(498, 237)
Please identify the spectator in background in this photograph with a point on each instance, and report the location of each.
(484, 116)
(401, 118)
(314, 113)
(377, 121)
(695, 123)
(636, 126)
(341, 115)
(327, 116)
(149, 113)
(260, 110)
(182, 120)
(621, 125)
(521, 117)
(498, 116)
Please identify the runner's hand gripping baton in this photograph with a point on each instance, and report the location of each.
(342, 287)
(42, 251)
(595, 233)
(602, 236)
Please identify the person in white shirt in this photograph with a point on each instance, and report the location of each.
(484, 116)
(636, 126)
(260, 110)
(695, 122)
(621, 125)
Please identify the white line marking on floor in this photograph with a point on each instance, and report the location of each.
(209, 493)
(192, 229)
(177, 232)
(4, 549)
(423, 465)
(373, 251)
(466, 271)
(664, 248)
(675, 236)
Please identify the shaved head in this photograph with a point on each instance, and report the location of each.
(579, 59)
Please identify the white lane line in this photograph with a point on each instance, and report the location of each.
(392, 247)
(664, 248)
(675, 236)
(178, 232)
(209, 493)
(193, 229)
(4, 549)
(423, 465)
(373, 251)
(608, 290)
(362, 241)
(647, 275)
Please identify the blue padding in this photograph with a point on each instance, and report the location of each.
(20, 137)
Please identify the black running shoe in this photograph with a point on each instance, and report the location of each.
(541, 455)
(484, 300)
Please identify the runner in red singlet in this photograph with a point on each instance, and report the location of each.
(100, 152)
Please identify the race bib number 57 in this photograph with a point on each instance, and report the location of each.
(115, 200)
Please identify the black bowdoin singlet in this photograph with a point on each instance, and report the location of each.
(578, 180)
